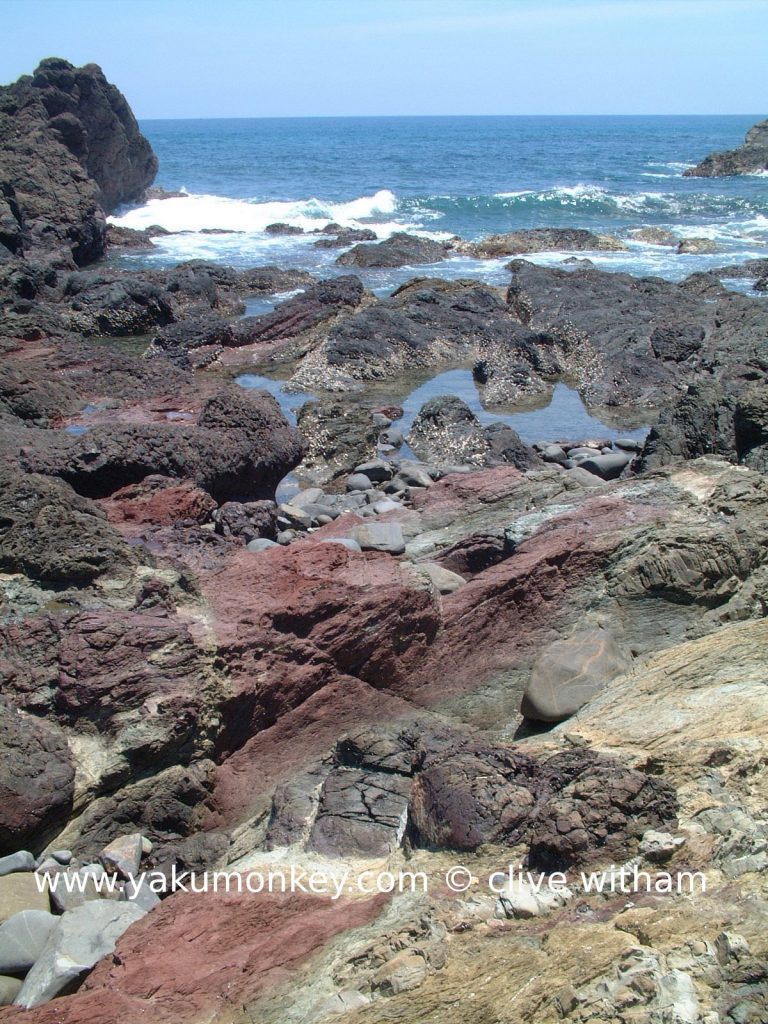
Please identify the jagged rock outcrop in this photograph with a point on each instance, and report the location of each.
(752, 156)
(72, 152)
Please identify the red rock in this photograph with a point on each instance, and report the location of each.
(158, 501)
(203, 957)
(297, 619)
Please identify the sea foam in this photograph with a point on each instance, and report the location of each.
(208, 212)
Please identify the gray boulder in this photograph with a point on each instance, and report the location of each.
(607, 466)
(23, 938)
(380, 537)
(79, 940)
(21, 861)
(9, 989)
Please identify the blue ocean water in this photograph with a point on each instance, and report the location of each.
(470, 176)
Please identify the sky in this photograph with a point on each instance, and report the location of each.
(302, 58)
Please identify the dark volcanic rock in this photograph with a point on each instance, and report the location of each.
(712, 418)
(746, 159)
(572, 809)
(446, 430)
(52, 535)
(505, 446)
(240, 449)
(106, 304)
(318, 303)
(37, 781)
(361, 813)
(627, 340)
(339, 436)
(515, 243)
(346, 236)
(399, 250)
(72, 151)
(280, 228)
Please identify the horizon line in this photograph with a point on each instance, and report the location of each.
(340, 117)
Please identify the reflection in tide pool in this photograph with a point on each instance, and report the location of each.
(564, 419)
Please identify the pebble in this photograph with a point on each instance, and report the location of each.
(123, 855)
(553, 453)
(261, 544)
(309, 496)
(386, 537)
(381, 421)
(608, 467)
(9, 989)
(378, 470)
(359, 482)
(62, 856)
(393, 436)
(346, 542)
(386, 505)
(291, 516)
(21, 861)
(414, 476)
(627, 444)
(286, 536)
(445, 581)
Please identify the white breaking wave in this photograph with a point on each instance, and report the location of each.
(206, 212)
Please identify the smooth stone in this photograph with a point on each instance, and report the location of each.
(393, 436)
(377, 470)
(354, 500)
(79, 893)
(315, 511)
(607, 450)
(628, 444)
(444, 580)
(62, 856)
(584, 450)
(553, 453)
(261, 544)
(20, 891)
(659, 846)
(568, 673)
(9, 990)
(21, 861)
(286, 537)
(414, 476)
(359, 482)
(50, 866)
(294, 517)
(79, 940)
(385, 505)
(123, 855)
(381, 421)
(581, 476)
(145, 897)
(608, 467)
(378, 536)
(521, 899)
(309, 496)
(346, 542)
(23, 938)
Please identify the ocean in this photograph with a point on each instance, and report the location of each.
(444, 176)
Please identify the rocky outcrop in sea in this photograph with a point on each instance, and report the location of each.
(750, 158)
(418, 659)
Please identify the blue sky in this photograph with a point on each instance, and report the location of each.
(258, 58)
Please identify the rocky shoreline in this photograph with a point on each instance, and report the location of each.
(447, 646)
